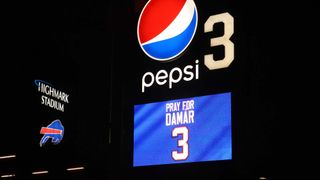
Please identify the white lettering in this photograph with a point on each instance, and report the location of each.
(190, 74)
(52, 103)
(187, 105)
(175, 75)
(161, 75)
(144, 80)
(170, 107)
(180, 118)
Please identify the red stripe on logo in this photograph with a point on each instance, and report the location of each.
(45, 130)
(157, 16)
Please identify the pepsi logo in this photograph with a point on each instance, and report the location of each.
(166, 28)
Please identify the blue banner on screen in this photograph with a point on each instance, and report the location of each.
(182, 131)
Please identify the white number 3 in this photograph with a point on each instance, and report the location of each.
(224, 40)
(183, 143)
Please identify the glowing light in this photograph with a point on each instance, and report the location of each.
(75, 169)
(40, 172)
(7, 157)
(8, 176)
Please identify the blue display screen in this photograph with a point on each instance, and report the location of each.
(186, 130)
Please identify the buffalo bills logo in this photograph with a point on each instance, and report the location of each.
(53, 131)
(166, 28)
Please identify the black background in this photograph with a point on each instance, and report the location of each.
(90, 50)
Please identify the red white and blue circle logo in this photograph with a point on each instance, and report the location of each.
(166, 28)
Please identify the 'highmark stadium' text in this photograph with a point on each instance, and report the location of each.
(51, 93)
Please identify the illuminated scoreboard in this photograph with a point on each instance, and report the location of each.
(183, 130)
(182, 114)
(177, 84)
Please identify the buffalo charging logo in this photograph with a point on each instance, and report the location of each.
(53, 131)
(166, 28)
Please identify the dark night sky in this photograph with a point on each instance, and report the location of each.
(80, 47)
